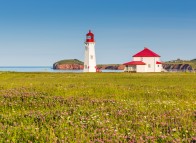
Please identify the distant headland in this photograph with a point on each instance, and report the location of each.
(75, 64)
(69, 64)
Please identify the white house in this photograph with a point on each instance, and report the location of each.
(144, 61)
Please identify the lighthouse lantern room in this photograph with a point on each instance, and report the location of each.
(90, 58)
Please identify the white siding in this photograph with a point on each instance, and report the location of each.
(150, 66)
(90, 58)
(150, 63)
(137, 58)
(158, 67)
(140, 68)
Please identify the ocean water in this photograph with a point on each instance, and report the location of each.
(43, 69)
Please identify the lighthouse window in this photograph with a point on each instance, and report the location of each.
(91, 56)
(149, 66)
(85, 66)
(88, 37)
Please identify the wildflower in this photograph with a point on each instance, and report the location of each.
(174, 129)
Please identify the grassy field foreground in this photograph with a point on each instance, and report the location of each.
(97, 107)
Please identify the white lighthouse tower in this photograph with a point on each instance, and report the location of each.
(90, 59)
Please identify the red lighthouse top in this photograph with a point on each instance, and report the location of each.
(90, 37)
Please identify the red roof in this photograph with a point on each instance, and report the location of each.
(146, 53)
(158, 62)
(134, 63)
(90, 37)
(90, 33)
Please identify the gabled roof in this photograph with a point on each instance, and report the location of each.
(146, 53)
(134, 63)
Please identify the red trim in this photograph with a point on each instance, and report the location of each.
(146, 53)
(135, 63)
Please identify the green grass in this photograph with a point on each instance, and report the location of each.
(97, 107)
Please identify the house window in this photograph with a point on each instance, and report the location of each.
(141, 59)
(149, 66)
(85, 66)
(91, 56)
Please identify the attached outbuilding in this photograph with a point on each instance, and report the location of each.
(144, 61)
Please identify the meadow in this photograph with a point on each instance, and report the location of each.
(97, 107)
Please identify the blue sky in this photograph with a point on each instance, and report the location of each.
(41, 32)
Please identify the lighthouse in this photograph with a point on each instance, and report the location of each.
(90, 58)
